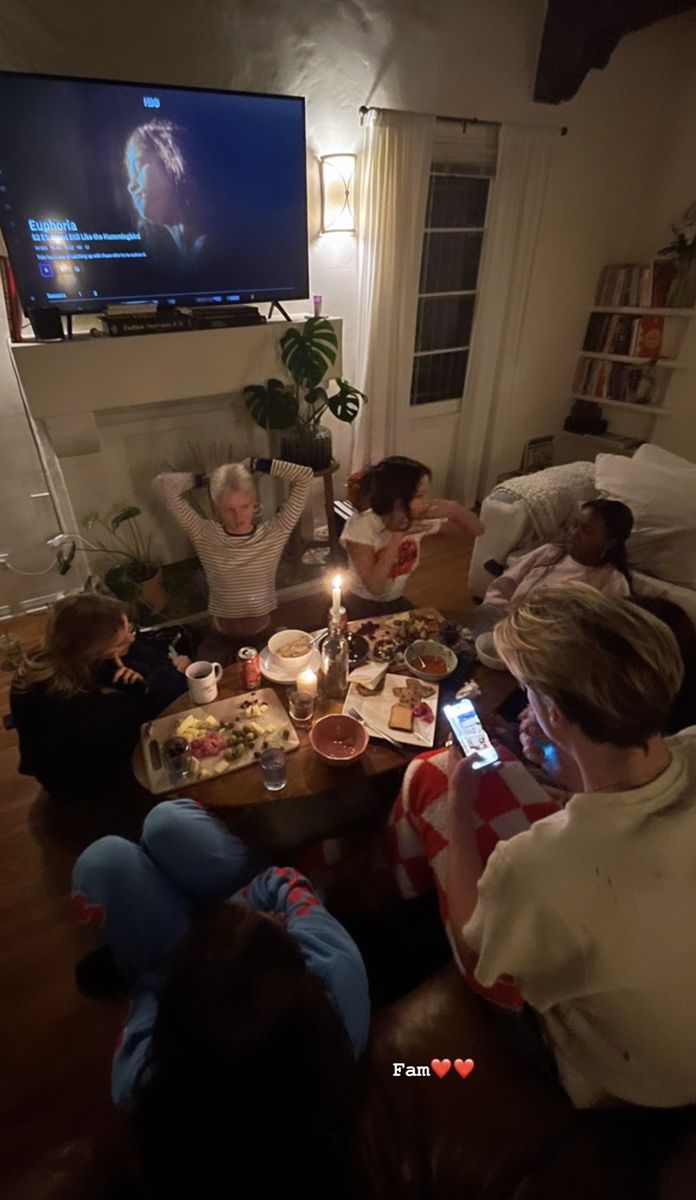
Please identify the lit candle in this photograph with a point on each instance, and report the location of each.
(307, 682)
(336, 597)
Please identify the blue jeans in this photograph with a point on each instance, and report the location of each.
(143, 897)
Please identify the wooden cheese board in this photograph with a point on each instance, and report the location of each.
(247, 723)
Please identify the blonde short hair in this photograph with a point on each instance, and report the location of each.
(233, 477)
(611, 668)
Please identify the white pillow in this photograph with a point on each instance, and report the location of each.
(660, 490)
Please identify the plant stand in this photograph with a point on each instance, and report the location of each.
(327, 475)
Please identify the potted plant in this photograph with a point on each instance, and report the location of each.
(135, 580)
(682, 293)
(297, 407)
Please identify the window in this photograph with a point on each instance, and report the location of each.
(455, 222)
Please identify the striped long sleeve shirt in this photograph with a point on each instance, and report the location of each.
(240, 568)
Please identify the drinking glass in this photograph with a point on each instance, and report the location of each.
(274, 771)
(177, 758)
(301, 707)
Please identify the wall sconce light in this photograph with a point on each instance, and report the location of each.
(337, 178)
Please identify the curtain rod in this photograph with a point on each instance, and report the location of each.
(365, 109)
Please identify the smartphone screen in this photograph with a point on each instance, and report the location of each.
(470, 733)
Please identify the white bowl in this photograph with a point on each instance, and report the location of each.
(487, 653)
(276, 643)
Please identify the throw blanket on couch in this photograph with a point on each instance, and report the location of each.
(550, 497)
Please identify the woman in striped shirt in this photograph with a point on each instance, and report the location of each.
(240, 559)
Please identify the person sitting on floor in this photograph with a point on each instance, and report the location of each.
(78, 701)
(249, 1006)
(240, 558)
(594, 552)
(383, 540)
(591, 911)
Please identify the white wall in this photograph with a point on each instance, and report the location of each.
(675, 175)
(456, 57)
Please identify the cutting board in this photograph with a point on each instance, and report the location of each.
(150, 770)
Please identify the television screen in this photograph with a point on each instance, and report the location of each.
(114, 193)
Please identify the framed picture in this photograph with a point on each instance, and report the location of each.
(537, 454)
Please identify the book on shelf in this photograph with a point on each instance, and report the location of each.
(663, 271)
(13, 304)
(619, 333)
(636, 285)
(597, 378)
(646, 338)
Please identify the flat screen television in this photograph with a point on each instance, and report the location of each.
(117, 193)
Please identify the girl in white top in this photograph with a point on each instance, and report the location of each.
(383, 542)
(240, 559)
(591, 911)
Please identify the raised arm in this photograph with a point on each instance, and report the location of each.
(455, 517)
(300, 480)
(173, 486)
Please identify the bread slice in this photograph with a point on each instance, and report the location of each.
(401, 717)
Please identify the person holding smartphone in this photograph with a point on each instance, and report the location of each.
(591, 911)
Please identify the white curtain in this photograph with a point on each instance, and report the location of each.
(525, 157)
(392, 196)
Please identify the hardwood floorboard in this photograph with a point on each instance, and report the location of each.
(56, 1045)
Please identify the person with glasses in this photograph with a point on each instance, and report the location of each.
(79, 700)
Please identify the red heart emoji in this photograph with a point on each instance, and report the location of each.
(441, 1066)
(464, 1066)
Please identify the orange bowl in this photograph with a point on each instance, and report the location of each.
(338, 739)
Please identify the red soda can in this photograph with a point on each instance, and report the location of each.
(250, 663)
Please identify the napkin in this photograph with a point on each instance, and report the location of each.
(369, 674)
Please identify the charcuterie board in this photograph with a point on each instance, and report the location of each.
(244, 726)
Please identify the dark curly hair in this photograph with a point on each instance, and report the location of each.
(392, 482)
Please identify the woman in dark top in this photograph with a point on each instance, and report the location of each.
(79, 700)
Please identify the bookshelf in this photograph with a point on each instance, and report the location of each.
(629, 352)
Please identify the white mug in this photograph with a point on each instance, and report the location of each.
(202, 678)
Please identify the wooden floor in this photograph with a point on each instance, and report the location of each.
(56, 1046)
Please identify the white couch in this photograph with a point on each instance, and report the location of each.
(529, 510)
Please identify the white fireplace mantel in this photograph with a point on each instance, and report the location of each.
(91, 374)
(110, 413)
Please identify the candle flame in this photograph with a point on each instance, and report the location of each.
(337, 581)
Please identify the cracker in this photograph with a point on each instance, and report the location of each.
(401, 717)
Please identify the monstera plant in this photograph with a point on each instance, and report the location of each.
(136, 578)
(297, 405)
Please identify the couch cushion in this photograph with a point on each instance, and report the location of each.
(660, 489)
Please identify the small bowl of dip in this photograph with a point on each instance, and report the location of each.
(430, 660)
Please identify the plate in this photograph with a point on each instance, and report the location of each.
(376, 711)
(271, 668)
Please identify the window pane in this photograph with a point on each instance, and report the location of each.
(444, 321)
(456, 203)
(450, 262)
(438, 377)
